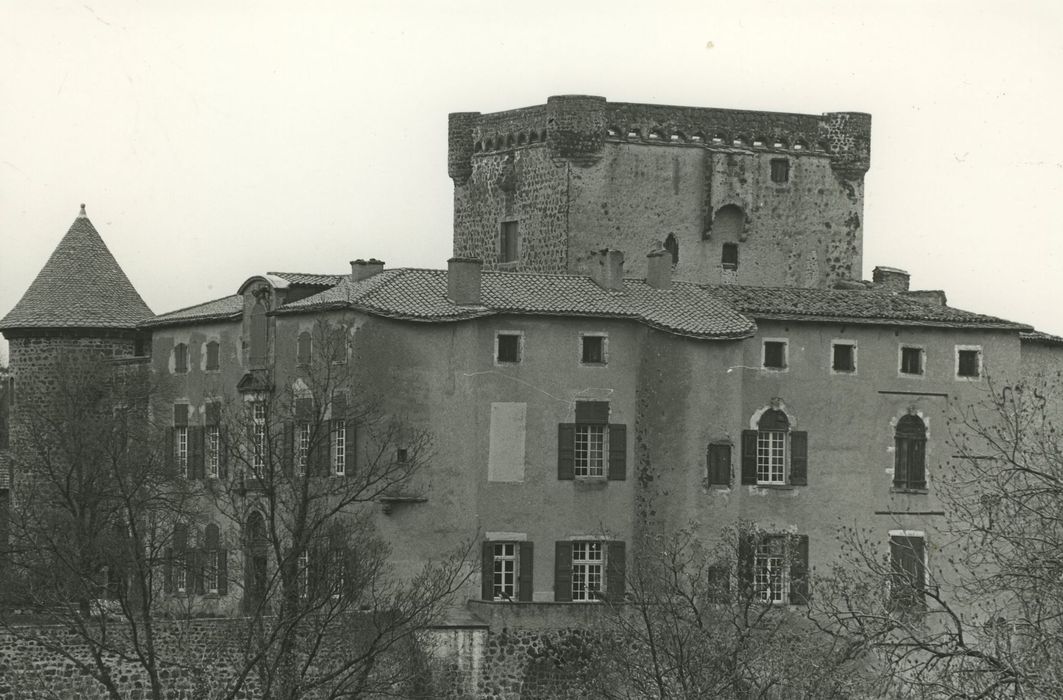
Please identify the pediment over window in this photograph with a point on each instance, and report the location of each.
(257, 380)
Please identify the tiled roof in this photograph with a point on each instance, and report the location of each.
(421, 295)
(853, 306)
(306, 279)
(1036, 336)
(81, 286)
(218, 310)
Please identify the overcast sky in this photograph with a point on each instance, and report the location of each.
(216, 140)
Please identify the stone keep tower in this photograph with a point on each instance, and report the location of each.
(81, 301)
(738, 197)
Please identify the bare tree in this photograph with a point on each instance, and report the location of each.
(978, 613)
(91, 501)
(716, 621)
(311, 458)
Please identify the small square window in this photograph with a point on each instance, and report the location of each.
(775, 354)
(968, 363)
(507, 348)
(911, 360)
(402, 455)
(592, 349)
(509, 242)
(843, 357)
(729, 256)
(780, 170)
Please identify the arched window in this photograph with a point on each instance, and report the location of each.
(672, 246)
(910, 457)
(258, 334)
(304, 348)
(773, 454)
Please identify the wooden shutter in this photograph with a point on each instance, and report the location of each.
(196, 452)
(917, 464)
(487, 571)
(563, 572)
(617, 452)
(746, 549)
(749, 456)
(798, 458)
(526, 561)
(798, 569)
(288, 449)
(350, 455)
(615, 571)
(170, 452)
(566, 451)
(320, 437)
(223, 571)
(900, 462)
(719, 464)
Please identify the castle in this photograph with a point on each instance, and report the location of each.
(653, 316)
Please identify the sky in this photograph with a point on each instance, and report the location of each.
(214, 141)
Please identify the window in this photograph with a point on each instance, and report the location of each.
(504, 579)
(339, 447)
(303, 448)
(718, 460)
(774, 568)
(336, 572)
(213, 451)
(212, 356)
(258, 425)
(303, 563)
(259, 334)
(509, 242)
(180, 358)
(775, 354)
(507, 570)
(593, 349)
(177, 562)
(911, 360)
(212, 564)
(780, 170)
(588, 564)
(181, 449)
(773, 454)
(508, 348)
(909, 470)
(671, 244)
(729, 256)
(339, 346)
(907, 571)
(402, 455)
(843, 357)
(592, 447)
(304, 347)
(968, 362)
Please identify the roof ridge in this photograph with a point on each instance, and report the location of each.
(192, 306)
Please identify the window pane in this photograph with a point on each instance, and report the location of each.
(771, 457)
(505, 571)
(590, 450)
(587, 569)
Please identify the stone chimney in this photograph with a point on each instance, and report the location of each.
(890, 279)
(931, 296)
(607, 269)
(463, 280)
(364, 269)
(659, 267)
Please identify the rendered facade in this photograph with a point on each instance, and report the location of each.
(653, 316)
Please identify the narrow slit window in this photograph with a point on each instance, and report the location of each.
(509, 242)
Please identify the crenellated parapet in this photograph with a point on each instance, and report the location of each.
(577, 127)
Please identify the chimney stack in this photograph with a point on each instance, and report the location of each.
(463, 280)
(890, 279)
(659, 267)
(607, 269)
(364, 269)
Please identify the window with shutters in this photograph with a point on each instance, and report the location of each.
(968, 361)
(509, 346)
(509, 242)
(592, 443)
(592, 447)
(908, 571)
(909, 471)
(718, 463)
(843, 357)
(773, 454)
(180, 358)
(213, 360)
(912, 361)
(589, 570)
(775, 354)
(507, 570)
(304, 348)
(593, 348)
(339, 447)
(773, 568)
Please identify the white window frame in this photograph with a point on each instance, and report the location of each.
(922, 360)
(605, 348)
(180, 574)
(856, 362)
(505, 563)
(258, 447)
(773, 457)
(770, 575)
(213, 440)
(590, 457)
(212, 574)
(303, 564)
(302, 447)
(336, 572)
(180, 448)
(968, 348)
(339, 447)
(588, 567)
(785, 354)
(520, 348)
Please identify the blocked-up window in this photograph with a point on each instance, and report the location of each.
(304, 348)
(506, 448)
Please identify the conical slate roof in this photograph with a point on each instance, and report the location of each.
(81, 286)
